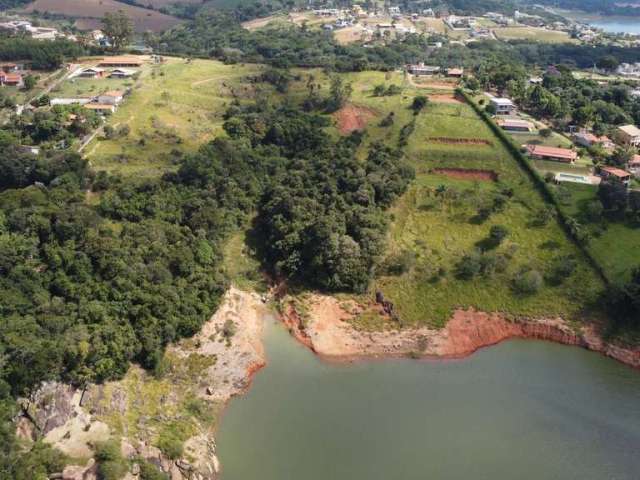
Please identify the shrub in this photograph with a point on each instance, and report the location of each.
(170, 445)
(229, 329)
(469, 266)
(545, 132)
(388, 120)
(399, 263)
(562, 269)
(527, 282)
(378, 90)
(111, 465)
(419, 103)
(498, 233)
(148, 471)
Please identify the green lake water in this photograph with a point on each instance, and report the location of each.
(520, 410)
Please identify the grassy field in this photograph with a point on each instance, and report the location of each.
(173, 108)
(91, 11)
(431, 24)
(533, 33)
(614, 243)
(84, 87)
(437, 222)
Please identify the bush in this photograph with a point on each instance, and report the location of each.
(469, 266)
(562, 269)
(111, 465)
(229, 329)
(419, 103)
(388, 120)
(545, 132)
(399, 263)
(498, 233)
(527, 282)
(148, 471)
(171, 446)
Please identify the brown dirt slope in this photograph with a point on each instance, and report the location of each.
(91, 11)
(353, 117)
(468, 174)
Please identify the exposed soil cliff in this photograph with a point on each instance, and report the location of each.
(327, 330)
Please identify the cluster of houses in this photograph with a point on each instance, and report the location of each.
(625, 135)
(39, 33)
(109, 67)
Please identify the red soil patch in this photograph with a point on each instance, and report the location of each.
(352, 117)
(460, 141)
(444, 98)
(468, 174)
(329, 334)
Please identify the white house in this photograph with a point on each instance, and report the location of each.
(422, 69)
(630, 135)
(121, 73)
(113, 97)
(70, 101)
(503, 106)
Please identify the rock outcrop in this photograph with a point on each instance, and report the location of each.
(211, 367)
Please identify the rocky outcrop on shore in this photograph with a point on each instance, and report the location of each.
(328, 332)
(209, 368)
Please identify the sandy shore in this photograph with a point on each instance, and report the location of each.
(326, 330)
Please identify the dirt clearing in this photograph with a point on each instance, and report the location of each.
(444, 98)
(460, 141)
(467, 174)
(352, 117)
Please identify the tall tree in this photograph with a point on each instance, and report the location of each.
(118, 28)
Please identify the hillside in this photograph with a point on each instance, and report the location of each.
(89, 13)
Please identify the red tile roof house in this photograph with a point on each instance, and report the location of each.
(114, 62)
(11, 79)
(589, 139)
(542, 152)
(615, 173)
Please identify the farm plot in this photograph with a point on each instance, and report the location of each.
(175, 108)
(89, 13)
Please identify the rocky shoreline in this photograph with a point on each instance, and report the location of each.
(327, 331)
(217, 364)
(212, 367)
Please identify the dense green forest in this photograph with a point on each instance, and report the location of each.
(42, 55)
(87, 288)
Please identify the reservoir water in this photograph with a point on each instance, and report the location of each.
(520, 410)
(618, 24)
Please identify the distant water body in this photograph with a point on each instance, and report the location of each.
(618, 25)
(523, 410)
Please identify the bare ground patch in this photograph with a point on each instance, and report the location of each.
(460, 141)
(445, 98)
(353, 117)
(468, 174)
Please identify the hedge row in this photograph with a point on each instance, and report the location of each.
(538, 180)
